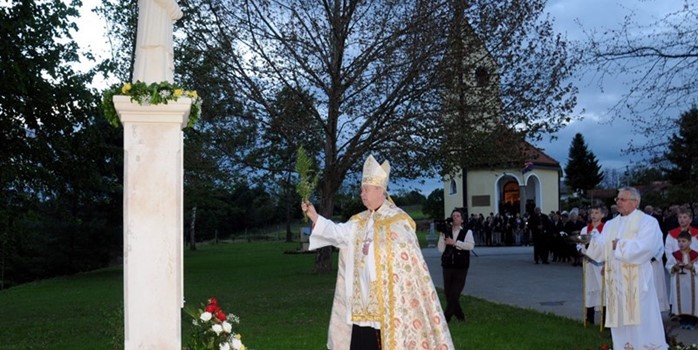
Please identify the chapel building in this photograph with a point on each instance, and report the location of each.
(515, 181)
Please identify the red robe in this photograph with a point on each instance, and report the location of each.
(590, 228)
(692, 230)
(692, 255)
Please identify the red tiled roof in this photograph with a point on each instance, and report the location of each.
(537, 156)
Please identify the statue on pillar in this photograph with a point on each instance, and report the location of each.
(154, 43)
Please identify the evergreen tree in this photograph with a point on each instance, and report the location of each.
(682, 154)
(582, 171)
(682, 151)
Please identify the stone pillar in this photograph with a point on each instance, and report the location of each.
(153, 223)
(522, 199)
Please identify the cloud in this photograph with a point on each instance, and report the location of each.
(606, 136)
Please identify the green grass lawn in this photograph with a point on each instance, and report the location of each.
(281, 302)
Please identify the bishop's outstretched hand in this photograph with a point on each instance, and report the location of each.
(309, 210)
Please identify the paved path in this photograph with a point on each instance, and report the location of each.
(508, 275)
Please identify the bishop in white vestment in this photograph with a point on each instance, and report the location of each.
(384, 291)
(627, 245)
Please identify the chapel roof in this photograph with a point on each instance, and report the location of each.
(537, 156)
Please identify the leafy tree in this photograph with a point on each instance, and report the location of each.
(642, 175)
(292, 125)
(366, 66)
(59, 204)
(660, 59)
(582, 171)
(434, 205)
(204, 182)
(409, 198)
(122, 18)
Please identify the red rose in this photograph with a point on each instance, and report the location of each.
(213, 301)
(605, 347)
(220, 315)
(212, 308)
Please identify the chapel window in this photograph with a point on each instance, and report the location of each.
(453, 188)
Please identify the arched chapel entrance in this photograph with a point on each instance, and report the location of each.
(516, 196)
(510, 201)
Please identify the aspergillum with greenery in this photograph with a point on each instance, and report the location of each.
(308, 177)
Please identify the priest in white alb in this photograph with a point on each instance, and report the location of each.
(626, 246)
(384, 298)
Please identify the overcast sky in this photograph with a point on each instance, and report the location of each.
(605, 140)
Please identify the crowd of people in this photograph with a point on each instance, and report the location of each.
(637, 261)
(385, 297)
(628, 249)
(637, 264)
(553, 233)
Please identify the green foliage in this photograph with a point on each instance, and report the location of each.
(434, 205)
(351, 207)
(414, 211)
(231, 212)
(203, 336)
(404, 198)
(582, 171)
(60, 195)
(680, 160)
(149, 94)
(682, 151)
(643, 175)
(307, 175)
(121, 15)
(248, 277)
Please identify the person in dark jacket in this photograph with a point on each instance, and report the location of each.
(455, 245)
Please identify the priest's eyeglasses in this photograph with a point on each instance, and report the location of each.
(620, 199)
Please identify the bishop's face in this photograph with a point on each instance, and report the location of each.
(372, 196)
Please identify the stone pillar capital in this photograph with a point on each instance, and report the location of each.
(172, 112)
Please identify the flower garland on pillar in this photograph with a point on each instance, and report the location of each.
(153, 94)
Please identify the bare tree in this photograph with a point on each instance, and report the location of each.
(381, 77)
(661, 59)
(509, 83)
(368, 66)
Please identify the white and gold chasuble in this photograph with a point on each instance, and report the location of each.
(631, 300)
(388, 288)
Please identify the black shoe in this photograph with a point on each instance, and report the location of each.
(590, 315)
